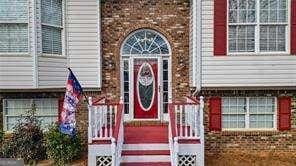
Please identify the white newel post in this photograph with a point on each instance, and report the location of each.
(90, 120)
(113, 151)
(202, 140)
(176, 150)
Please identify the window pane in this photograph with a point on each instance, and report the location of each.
(233, 16)
(233, 4)
(233, 121)
(241, 38)
(273, 38)
(51, 12)
(272, 11)
(51, 40)
(242, 11)
(262, 105)
(47, 111)
(126, 108)
(13, 38)
(126, 97)
(15, 11)
(261, 121)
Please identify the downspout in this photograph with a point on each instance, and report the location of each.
(197, 50)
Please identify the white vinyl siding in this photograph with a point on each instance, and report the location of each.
(242, 71)
(14, 34)
(80, 47)
(52, 26)
(84, 38)
(248, 113)
(13, 109)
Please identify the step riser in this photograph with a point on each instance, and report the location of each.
(147, 164)
(145, 158)
(145, 147)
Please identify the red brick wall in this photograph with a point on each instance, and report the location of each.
(250, 141)
(121, 17)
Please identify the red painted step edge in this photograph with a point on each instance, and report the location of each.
(145, 152)
(147, 164)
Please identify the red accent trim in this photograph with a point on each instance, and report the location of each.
(97, 101)
(215, 114)
(188, 141)
(193, 99)
(145, 152)
(293, 27)
(119, 118)
(94, 142)
(108, 104)
(139, 113)
(284, 113)
(182, 103)
(172, 120)
(220, 27)
(60, 108)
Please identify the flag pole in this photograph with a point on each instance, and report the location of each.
(81, 89)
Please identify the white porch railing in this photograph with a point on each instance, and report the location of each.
(106, 127)
(186, 125)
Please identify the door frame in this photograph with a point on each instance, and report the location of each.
(160, 115)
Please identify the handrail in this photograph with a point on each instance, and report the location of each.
(186, 124)
(172, 121)
(118, 120)
(106, 123)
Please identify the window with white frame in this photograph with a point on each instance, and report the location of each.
(13, 109)
(14, 26)
(248, 113)
(52, 26)
(256, 26)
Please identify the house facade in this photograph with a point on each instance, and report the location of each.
(240, 55)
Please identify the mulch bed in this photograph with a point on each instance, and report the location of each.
(252, 159)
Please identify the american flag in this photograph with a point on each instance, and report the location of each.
(72, 96)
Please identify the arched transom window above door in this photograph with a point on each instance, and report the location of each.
(145, 42)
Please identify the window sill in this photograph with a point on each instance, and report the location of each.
(15, 54)
(261, 54)
(249, 132)
(53, 56)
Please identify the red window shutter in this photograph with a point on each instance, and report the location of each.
(293, 27)
(60, 102)
(284, 113)
(215, 114)
(220, 27)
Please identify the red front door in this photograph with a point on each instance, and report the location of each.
(145, 89)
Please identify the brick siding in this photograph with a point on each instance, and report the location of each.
(250, 141)
(170, 18)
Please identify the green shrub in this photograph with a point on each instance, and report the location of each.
(27, 139)
(1, 135)
(62, 148)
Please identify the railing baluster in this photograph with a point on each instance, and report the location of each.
(100, 113)
(181, 120)
(191, 121)
(176, 119)
(106, 121)
(186, 126)
(96, 121)
(196, 116)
